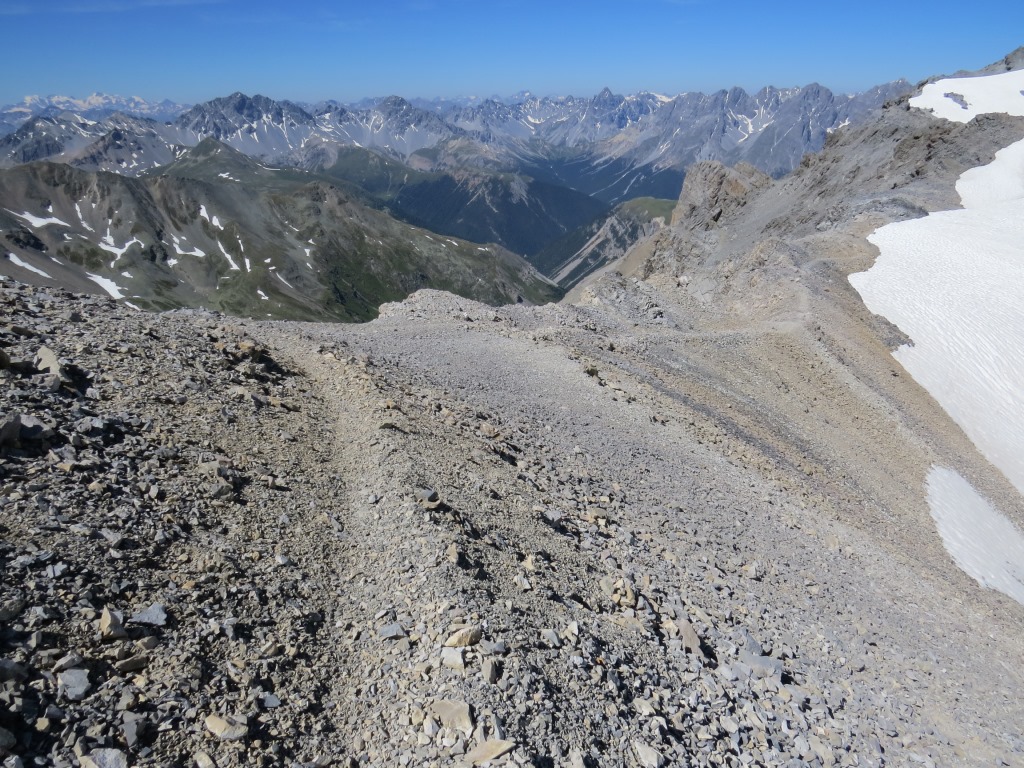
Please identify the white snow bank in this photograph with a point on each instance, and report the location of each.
(81, 219)
(108, 245)
(180, 252)
(213, 220)
(25, 265)
(954, 282)
(107, 285)
(983, 543)
(991, 93)
(235, 267)
(35, 221)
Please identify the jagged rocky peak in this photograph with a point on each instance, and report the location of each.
(395, 103)
(329, 107)
(404, 115)
(1012, 61)
(712, 189)
(239, 109)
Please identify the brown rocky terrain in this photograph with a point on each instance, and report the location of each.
(677, 520)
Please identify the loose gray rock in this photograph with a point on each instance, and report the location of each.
(105, 758)
(153, 616)
(490, 670)
(111, 625)
(46, 361)
(12, 671)
(648, 756)
(392, 631)
(489, 750)
(74, 683)
(428, 498)
(465, 637)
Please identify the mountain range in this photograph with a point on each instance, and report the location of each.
(610, 146)
(544, 178)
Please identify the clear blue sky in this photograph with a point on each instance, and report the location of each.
(306, 50)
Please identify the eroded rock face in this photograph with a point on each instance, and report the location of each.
(712, 190)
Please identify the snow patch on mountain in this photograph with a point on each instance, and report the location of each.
(36, 221)
(984, 544)
(181, 252)
(231, 261)
(953, 281)
(108, 245)
(961, 99)
(107, 285)
(25, 265)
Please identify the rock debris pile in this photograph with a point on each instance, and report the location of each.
(456, 536)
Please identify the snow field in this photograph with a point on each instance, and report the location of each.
(991, 93)
(953, 281)
(25, 265)
(983, 543)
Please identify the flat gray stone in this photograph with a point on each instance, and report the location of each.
(75, 683)
(228, 727)
(105, 758)
(489, 750)
(154, 616)
(648, 756)
(392, 631)
(453, 714)
(11, 670)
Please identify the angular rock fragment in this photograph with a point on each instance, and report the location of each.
(12, 671)
(153, 616)
(228, 727)
(74, 683)
(453, 659)
(464, 637)
(453, 714)
(111, 625)
(648, 756)
(393, 631)
(490, 669)
(428, 498)
(489, 750)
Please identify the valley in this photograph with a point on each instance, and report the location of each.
(528, 177)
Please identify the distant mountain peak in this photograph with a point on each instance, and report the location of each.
(96, 105)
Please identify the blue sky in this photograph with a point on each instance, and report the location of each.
(306, 50)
